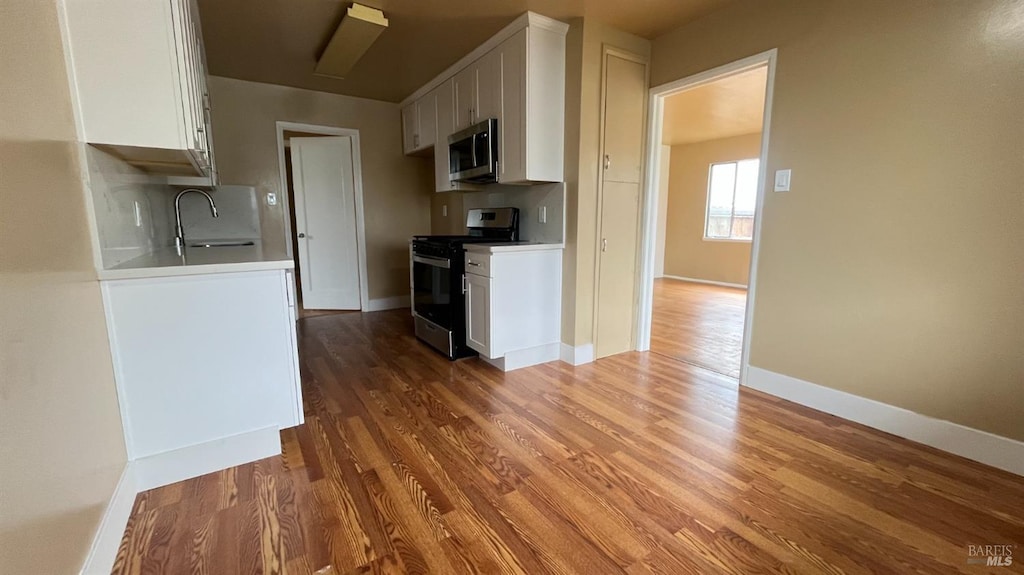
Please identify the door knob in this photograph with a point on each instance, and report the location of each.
(302, 235)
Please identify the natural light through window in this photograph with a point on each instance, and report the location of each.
(732, 195)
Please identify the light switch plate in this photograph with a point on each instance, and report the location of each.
(782, 178)
(542, 214)
(271, 199)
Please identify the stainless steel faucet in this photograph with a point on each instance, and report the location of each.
(179, 234)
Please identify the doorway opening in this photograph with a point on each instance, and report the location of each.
(324, 227)
(708, 139)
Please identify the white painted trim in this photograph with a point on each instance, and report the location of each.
(188, 462)
(650, 216)
(1001, 452)
(700, 281)
(357, 176)
(521, 358)
(103, 552)
(527, 19)
(385, 303)
(578, 355)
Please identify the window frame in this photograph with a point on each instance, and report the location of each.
(732, 209)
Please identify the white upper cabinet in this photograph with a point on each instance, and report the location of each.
(518, 78)
(419, 124)
(140, 79)
(464, 86)
(445, 95)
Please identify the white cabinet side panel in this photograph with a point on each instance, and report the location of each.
(545, 105)
(201, 358)
(109, 39)
(526, 300)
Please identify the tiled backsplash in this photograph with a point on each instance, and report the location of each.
(529, 200)
(132, 215)
(135, 216)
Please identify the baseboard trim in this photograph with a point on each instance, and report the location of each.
(981, 446)
(525, 357)
(577, 355)
(188, 462)
(709, 282)
(103, 552)
(385, 303)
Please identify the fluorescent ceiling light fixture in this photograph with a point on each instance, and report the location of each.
(354, 36)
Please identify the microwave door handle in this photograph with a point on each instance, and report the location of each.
(472, 150)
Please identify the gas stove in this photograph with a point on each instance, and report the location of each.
(437, 270)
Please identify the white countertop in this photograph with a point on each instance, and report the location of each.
(166, 262)
(505, 247)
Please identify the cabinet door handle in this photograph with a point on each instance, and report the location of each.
(301, 235)
(604, 244)
(474, 264)
(415, 140)
(464, 290)
(607, 161)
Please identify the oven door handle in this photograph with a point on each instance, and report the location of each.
(432, 261)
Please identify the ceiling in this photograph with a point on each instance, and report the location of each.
(279, 41)
(728, 107)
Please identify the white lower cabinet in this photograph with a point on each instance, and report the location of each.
(478, 313)
(202, 359)
(513, 305)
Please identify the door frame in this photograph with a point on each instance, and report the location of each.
(606, 51)
(357, 176)
(655, 119)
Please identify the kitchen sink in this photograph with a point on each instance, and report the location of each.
(222, 244)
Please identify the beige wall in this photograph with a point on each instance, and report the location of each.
(60, 430)
(396, 188)
(452, 224)
(893, 269)
(687, 253)
(584, 54)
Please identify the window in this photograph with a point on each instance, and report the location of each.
(732, 195)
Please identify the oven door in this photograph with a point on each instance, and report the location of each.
(432, 289)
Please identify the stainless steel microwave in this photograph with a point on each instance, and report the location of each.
(473, 153)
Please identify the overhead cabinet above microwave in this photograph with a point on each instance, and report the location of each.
(139, 72)
(516, 78)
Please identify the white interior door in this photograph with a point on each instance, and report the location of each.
(325, 218)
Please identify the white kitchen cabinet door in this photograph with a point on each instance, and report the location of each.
(488, 86)
(426, 121)
(409, 128)
(512, 125)
(445, 127)
(465, 87)
(478, 313)
(140, 77)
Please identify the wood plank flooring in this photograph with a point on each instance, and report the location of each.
(634, 464)
(699, 323)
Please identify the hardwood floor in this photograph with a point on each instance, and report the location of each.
(634, 464)
(699, 323)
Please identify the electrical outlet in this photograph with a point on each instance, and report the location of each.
(271, 199)
(542, 214)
